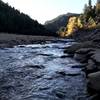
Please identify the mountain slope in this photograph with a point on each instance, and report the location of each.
(13, 21)
(58, 22)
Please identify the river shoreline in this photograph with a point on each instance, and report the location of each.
(87, 51)
(10, 40)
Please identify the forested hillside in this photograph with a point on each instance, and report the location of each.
(13, 21)
(59, 22)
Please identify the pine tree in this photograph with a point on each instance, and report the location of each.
(90, 3)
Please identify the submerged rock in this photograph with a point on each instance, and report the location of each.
(34, 66)
(60, 94)
(63, 73)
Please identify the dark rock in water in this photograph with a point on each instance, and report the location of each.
(60, 94)
(35, 66)
(73, 74)
(44, 88)
(78, 66)
(84, 50)
(64, 56)
(63, 73)
(91, 67)
(70, 55)
(83, 54)
(45, 54)
(94, 97)
(94, 81)
(80, 57)
(75, 47)
(96, 40)
(96, 57)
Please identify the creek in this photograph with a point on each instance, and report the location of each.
(41, 71)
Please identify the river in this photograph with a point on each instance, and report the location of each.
(41, 72)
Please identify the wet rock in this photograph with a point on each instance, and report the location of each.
(60, 94)
(78, 66)
(93, 97)
(35, 66)
(64, 56)
(73, 74)
(63, 73)
(80, 57)
(96, 57)
(45, 54)
(44, 88)
(82, 54)
(72, 49)
(94, 81)
(91, 67)
(84, 50)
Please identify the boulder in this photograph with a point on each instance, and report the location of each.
(94, 81)
(84, 50)
(82, 54)
(91, 65)
(71, 49)
(80, 57)
(96, 58)
(77, 46)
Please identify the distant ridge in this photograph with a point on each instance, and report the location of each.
(61, 21)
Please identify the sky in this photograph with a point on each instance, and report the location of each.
(43, 10)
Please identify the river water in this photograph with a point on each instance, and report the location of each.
(41, 72)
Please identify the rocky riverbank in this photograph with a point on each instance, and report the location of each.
(87, 52)
(10, 40)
